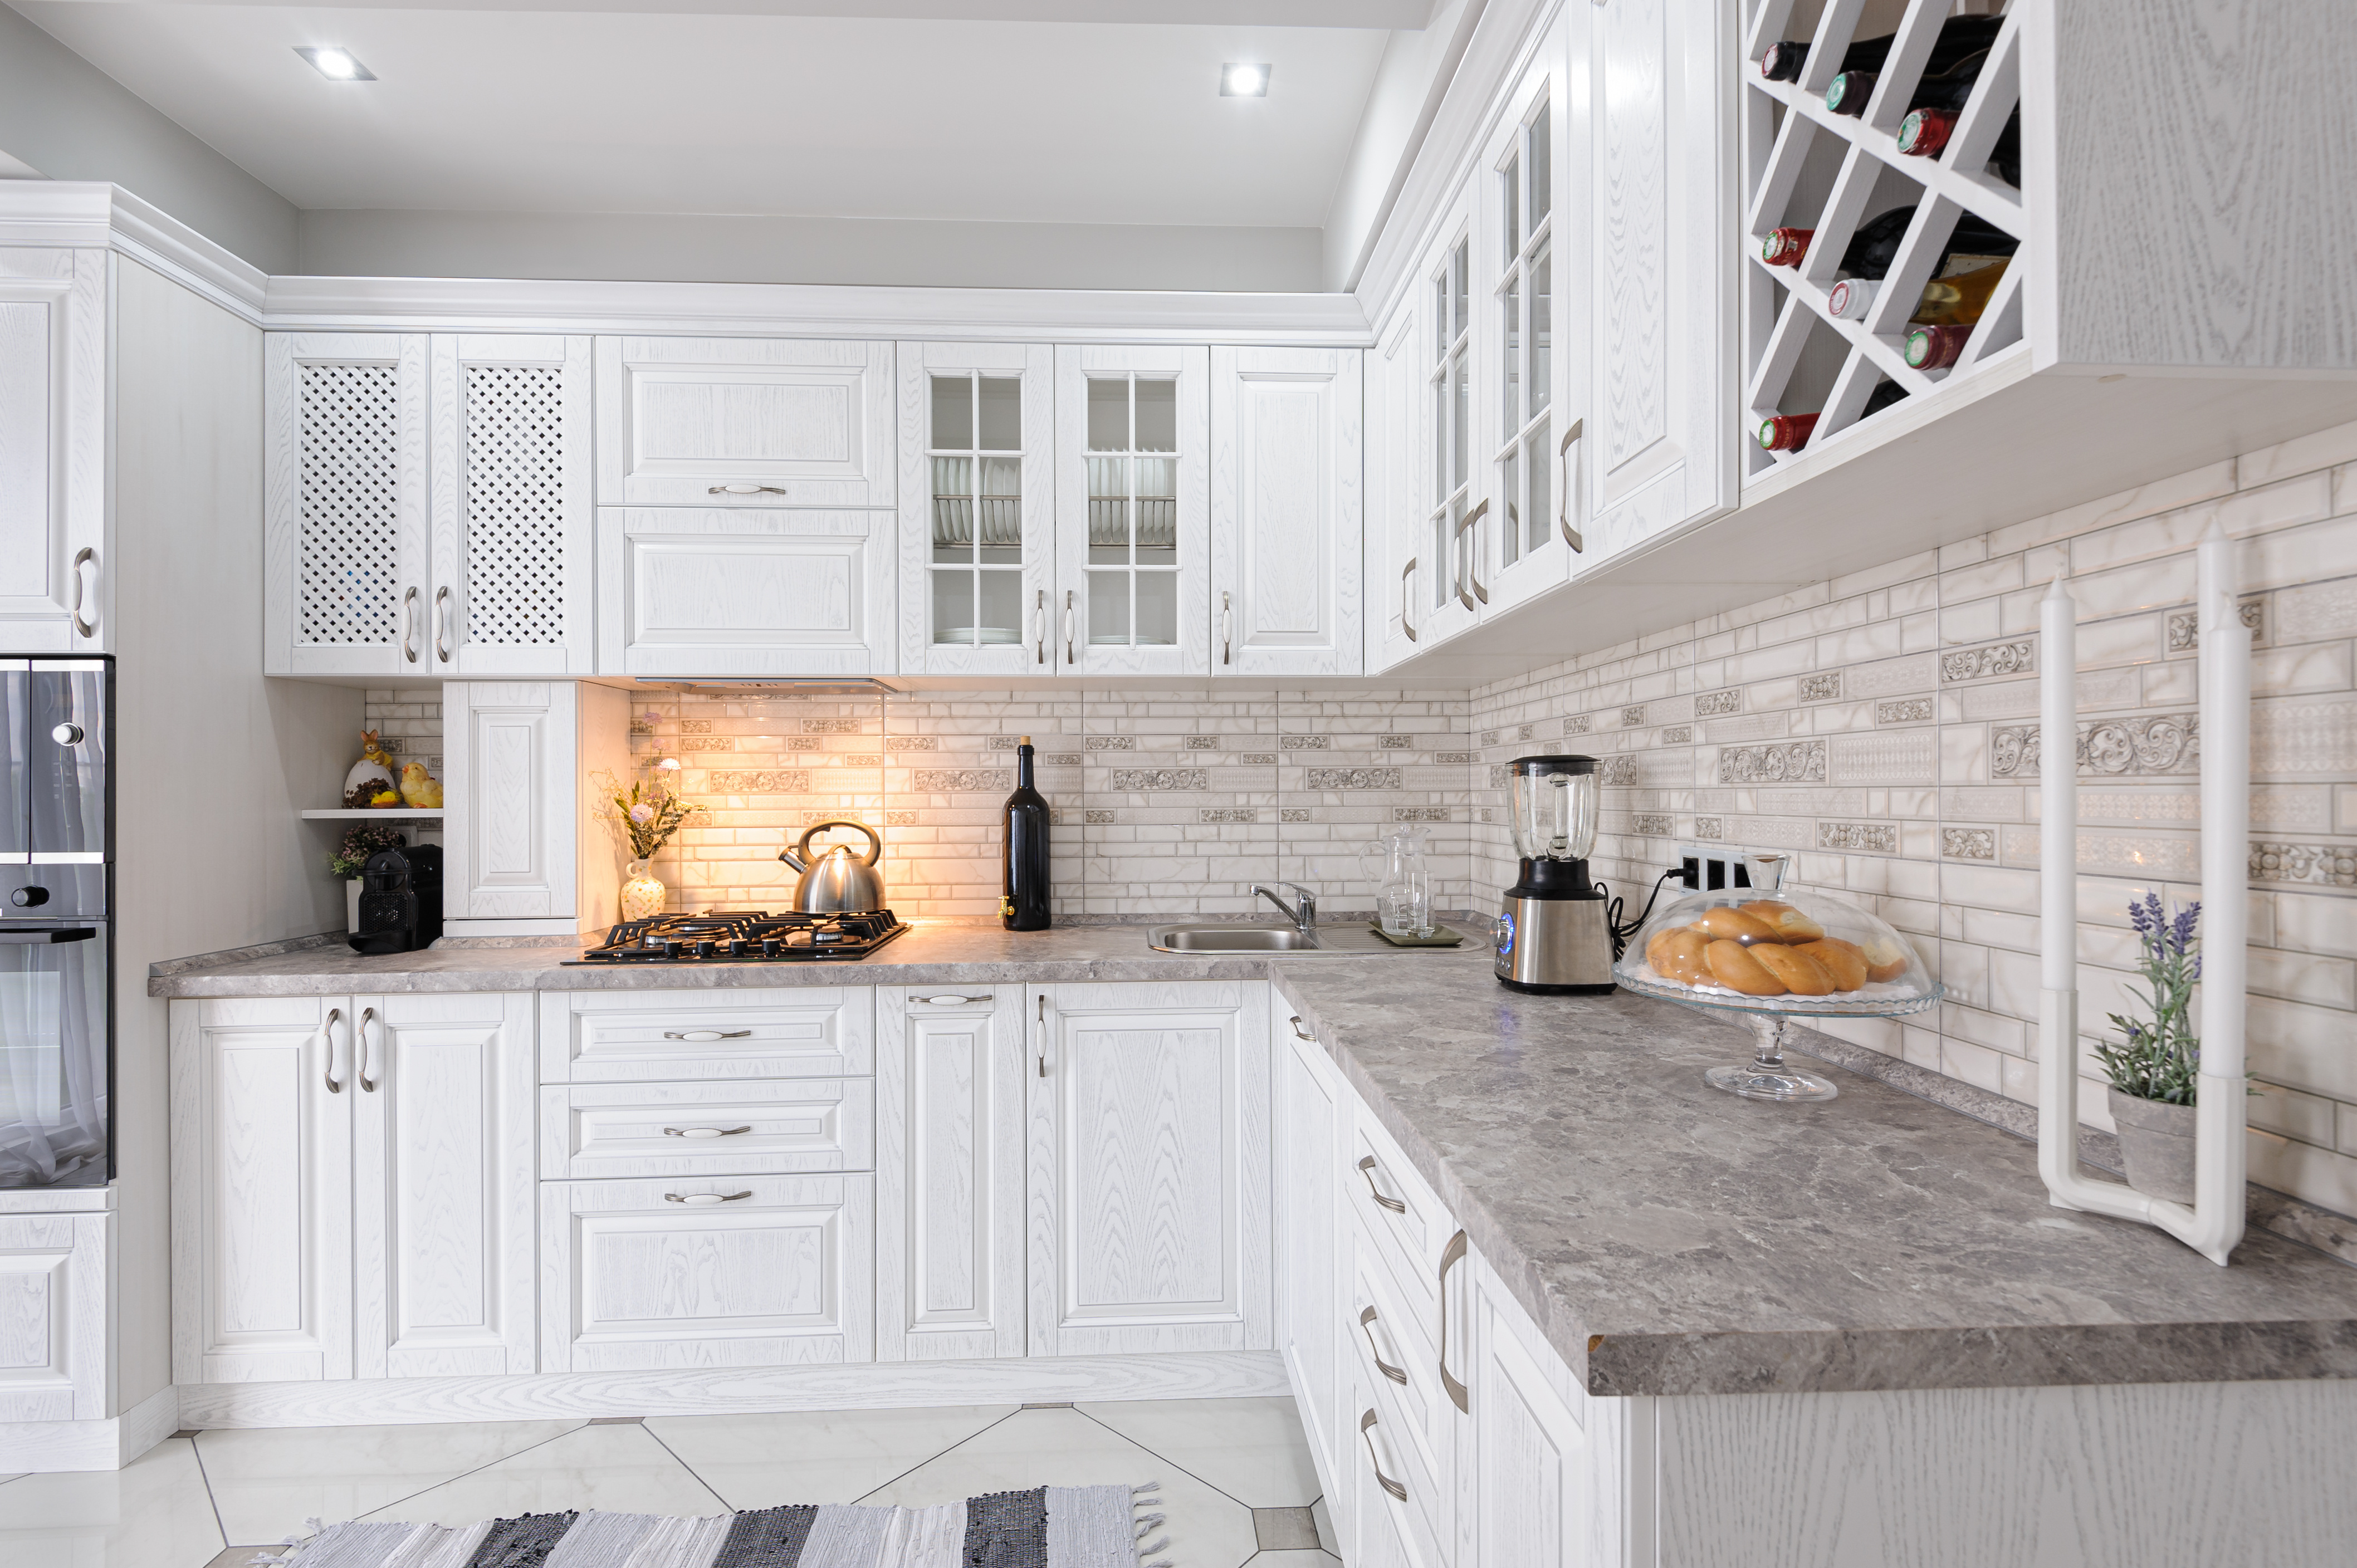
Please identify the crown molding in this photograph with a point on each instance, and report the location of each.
(92, 215)
(815, 310)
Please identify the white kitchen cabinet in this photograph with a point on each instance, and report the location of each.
(1286, 576)
(347, 559)
(949, 1240)
(1378, 1534)
(1395, 602)
(690, 591)
(977, 516)
(1148, 1147)
(512, 589)
(54, 579)
(518, 818)
(711, 422)
(1529, 1460)
(53, 1316)
(1452, 492)
(751, 1270)
(1312, 1237)
(1660, 425)
(443, 1185)
(765, 1126)
(1132, 507)
(723, 1035)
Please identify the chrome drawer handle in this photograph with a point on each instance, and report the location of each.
(1407, 592)
(339, 1062)
(707, 1034)
(947, 1001)
(1449, 1258)
(1301, 1033)
(1367, 1325)
(704, 1199)
(704, 1132)
(1366, 1429)
(409, 625)
(745, 491)
(1367, 1169)
(85, 556)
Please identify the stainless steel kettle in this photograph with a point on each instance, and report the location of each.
(838, 882)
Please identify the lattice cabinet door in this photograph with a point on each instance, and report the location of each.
(977, 523)
(347, 576)
(512, 518)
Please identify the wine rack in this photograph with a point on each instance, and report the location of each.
(1806, 167)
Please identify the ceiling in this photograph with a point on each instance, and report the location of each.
(992, 110)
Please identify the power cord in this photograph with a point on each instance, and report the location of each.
(1620, 933)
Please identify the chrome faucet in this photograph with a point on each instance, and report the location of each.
(1305, 917)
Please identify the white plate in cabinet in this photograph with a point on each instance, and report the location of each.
(744, 421)
(53, 1316)
(639, 1037)
(773, 1128)
(707, 1271)
(697, 591)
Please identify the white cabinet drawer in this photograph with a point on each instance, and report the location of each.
(1396, 1357)
(642, 1037)
(766, 1127)
(707, 1271)
(1403, 1217)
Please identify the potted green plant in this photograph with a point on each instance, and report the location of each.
(2154, 1073)
(646, 814)
(351, 856)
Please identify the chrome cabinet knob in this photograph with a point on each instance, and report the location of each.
(29, 898)
(67, 734)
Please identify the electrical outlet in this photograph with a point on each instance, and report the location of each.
(1710, 867)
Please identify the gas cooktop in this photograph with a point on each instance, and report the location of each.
(744, 936)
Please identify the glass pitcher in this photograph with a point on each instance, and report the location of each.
(1404, 891)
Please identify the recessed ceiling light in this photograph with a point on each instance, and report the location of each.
(337, 65)
(1243, 81)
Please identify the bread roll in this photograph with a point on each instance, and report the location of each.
(1678, 956)
(1885, 958)
(1734, 925)
(1801, 975)
(1844, 962)
(1653, 948)
(1733, 965)
(1789, 924)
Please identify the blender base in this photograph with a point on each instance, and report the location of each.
(1532, 988)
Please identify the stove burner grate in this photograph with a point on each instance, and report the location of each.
(744, 936)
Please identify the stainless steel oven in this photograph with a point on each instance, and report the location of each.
(56, 887)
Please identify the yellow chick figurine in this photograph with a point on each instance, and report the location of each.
(421, 789)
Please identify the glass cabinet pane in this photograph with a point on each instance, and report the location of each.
(1510, 361)
(1133, 499)
(1537, 460)
(1539, 339)
(1001, 407)
(1158, 415)
(1109, 414)
(1542, 180)
(977, 511)
(1108, 607)
(953, 413)
(1108, 510)
(1511, 182)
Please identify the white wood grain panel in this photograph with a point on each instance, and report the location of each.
(262, 1168)
(759, 421)
(1377, 1531)
(1412, 1237)
(634, 1037)
(1311, 1117)
(950, 1241)
(511, 784)
(632, 1279)
(1034, 364)
(1150, 1204)
(53, 434)
(1286, 513)
(402, 645)
(1525, 1443)
(53, 1316)
(1394, 508)
(443, 1185)
(706, 592)
(769, 1128)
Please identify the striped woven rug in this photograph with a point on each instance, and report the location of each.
(1047, 1526)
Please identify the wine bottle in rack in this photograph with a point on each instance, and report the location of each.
(1874, 246)
(1959, 36)
(1959, 298)
(1789, 432)
(1936, 347)
(1925, 133)
(1944, 90)
(1785, 247)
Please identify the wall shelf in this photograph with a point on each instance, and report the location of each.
(375, 814)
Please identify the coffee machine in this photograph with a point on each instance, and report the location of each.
(1553, 933)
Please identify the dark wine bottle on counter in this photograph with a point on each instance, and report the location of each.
(1023, 861)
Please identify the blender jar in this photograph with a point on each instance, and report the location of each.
(1555, 801)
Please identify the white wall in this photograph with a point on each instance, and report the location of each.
(62, 116)
(1415, 71)
(213, 760)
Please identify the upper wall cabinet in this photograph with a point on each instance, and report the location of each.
(1285, 516)
(1394, 520)
(744, 422)
(429, 505)
(347, 572)
(687, 591)
(977, 509)
(53, 452)
(1133, 439)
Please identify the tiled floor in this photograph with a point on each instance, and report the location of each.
(1237, 1483)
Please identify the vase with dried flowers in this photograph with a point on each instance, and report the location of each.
(2154, 1073)
(645, 814)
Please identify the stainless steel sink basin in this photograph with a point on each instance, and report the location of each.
(1339, 941)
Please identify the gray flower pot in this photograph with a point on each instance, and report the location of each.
(2156, 1146)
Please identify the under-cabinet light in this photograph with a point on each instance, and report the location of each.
(337, 65)
(1243, 81)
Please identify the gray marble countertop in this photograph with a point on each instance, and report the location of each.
(1669, 1239)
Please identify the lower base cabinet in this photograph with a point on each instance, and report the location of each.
(53, 1269)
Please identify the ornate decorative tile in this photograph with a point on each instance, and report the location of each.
(859, 761)
(1456, 757)
(2173, 806)
(1305, 743)
(2126, 854)
(1887, 756)
(1295, 814)
(1352, 778)
(1228, 814)
(1821, 687)
(1489, 738)
(1728, 702)
(1676, 735)
(710, 743)
(1109, 743)
(1258, 759)
(1576, 724)
(1770, 833)
(1888, 676)
(1633, 717)
(812, 743)
(1201, 742)
(768, 781)
(2316, 736)
(696, 726)
(1903, 710)
(1142, 780)
(2327, 865)
(1798, 762)
(2153, 743)
(1968, 843)
(2016, 658)
(911, 818)
(949, 780)
(2185, 626)
(1879, 838)
(1524, 731)
(1398, 742)
(1617, 770)
(2294, 806)
(834, 726)
(1419, 813)
(1100, 819)
(1706, 827)
(1498, 774)
(1650, 825)
(911, 743)
(2315, 610)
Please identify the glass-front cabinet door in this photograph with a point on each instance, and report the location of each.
(1133, 509)
(976, 510)
(1455, 504)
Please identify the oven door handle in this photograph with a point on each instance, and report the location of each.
(55, 934)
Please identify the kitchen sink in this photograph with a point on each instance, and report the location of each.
(1331, 942)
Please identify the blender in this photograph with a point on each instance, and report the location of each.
(1553, 933)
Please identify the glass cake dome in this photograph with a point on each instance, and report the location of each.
(1775, 954)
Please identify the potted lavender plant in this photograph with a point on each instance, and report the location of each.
(2153, 1074)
